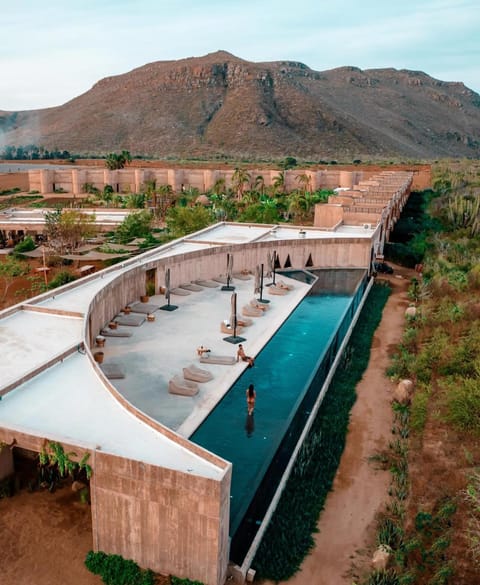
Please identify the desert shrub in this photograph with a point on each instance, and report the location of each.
(61, 279)
(388, 577)
(26, 245)
(461, 398)
(389, 533)
(419, 410)
(115, 570)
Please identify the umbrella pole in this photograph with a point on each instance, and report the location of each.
(274, 262)
(262, 300)
(234, 338)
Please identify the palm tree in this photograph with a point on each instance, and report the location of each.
(240, 179)
(259, 184)
(304, 180)
(278, 183)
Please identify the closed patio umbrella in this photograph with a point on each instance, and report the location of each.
(168, 306)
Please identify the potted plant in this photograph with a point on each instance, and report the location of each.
(149, 292)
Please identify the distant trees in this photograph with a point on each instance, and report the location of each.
(33, 152)
(116, 160)
(135, 225)
(67, 229)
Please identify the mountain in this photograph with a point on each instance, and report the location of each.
(220, 104)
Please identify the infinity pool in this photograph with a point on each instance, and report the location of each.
(282, 376)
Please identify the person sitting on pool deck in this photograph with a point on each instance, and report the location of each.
(242, 356)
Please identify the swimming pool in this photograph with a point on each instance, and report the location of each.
(288, 375)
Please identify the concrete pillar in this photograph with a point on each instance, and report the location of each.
(139, 180)
(46, 181)
(346, 179)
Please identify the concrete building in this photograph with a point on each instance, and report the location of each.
(157, 497)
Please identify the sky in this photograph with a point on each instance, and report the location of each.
(52, 52)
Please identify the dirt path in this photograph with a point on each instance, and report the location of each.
(45, 537)
(343, 546)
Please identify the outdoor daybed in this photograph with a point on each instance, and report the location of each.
(223, 360)
(207, 283)
(258, 305)
(144, 308)
(191, 286)
(132, 320)
(196, 374)
(182, 387)
(115, 333)
(250, 311)
(112, 371)
(228, 329)
(276, 290)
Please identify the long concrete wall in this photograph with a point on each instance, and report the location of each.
(134, 180)
(205, 264)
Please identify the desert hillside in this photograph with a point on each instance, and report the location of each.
(220, 105)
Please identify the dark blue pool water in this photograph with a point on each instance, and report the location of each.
(282, 375)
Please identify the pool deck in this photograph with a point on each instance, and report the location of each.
(159, 350)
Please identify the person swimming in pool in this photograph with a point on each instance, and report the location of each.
(251, 396)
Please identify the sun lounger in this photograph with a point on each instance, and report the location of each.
(207, 283)
(258, 305)
(115, 333)
(223, 360)
(145, 308)
(193, 372)
(244, 321)
(283, 284)
(276, 290)
(182, 387)
(250, 311)
(132, 320)
(221, 279)
(112, 371)
(180, 292)
(242, 276)
(228, 329)
(192, 287)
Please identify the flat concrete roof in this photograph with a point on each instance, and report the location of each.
(70, 401)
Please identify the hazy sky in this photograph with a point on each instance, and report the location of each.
(53, 51)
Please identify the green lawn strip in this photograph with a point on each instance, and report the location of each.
(289, 537)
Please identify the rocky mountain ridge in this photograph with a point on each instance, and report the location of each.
(221, 105)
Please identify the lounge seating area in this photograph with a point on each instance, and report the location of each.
(196, 374)
(182, 387)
